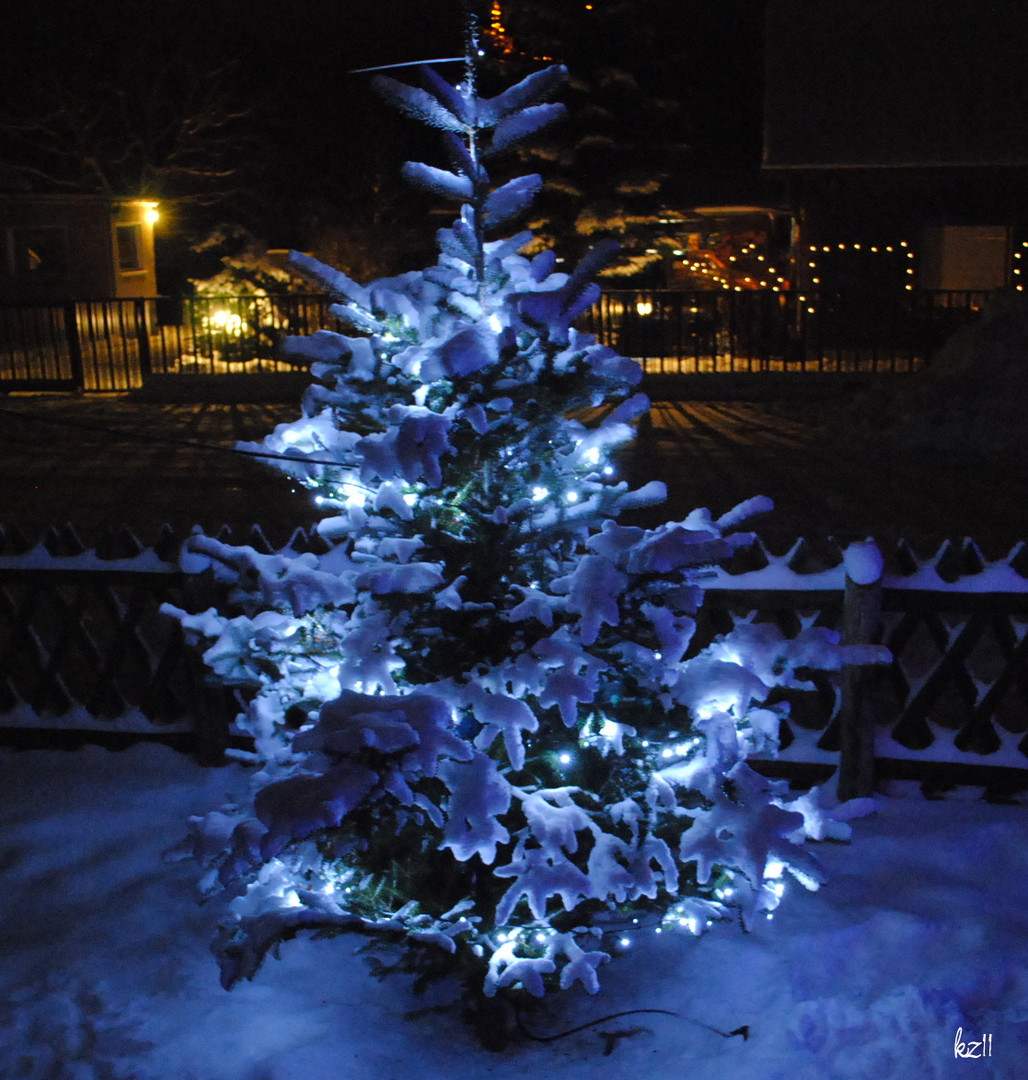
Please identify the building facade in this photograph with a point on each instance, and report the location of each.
(75, 247)
(899, 131)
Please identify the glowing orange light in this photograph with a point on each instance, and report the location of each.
(503, 42)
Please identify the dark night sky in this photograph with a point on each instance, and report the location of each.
(309, 118)
(319, 129)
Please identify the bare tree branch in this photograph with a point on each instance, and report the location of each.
(169, 129)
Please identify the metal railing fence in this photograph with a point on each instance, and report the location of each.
(115, 345)
(673, 332)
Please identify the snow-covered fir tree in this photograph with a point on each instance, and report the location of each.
(479, 734)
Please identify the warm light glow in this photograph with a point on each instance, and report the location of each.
(497, 32)
(151, 215)
(226, 321)
(644, 307)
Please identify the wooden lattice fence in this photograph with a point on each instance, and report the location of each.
(83, 647)
(956, 690)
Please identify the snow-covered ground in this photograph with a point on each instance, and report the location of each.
(922, 932)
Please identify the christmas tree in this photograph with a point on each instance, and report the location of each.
(479, 734)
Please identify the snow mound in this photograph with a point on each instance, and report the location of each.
(894, 1035)
(970, 401)
(107, 973)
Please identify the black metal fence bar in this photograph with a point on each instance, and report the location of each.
(112, 345)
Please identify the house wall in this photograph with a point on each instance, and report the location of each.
(66, 247)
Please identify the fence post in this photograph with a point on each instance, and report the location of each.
(210, 703)
(71, 335)
(143, 338)
(862, 606)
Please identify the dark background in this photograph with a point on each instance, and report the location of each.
(312, 149)
(854, 83)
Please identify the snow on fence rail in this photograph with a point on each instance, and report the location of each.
(83, 647)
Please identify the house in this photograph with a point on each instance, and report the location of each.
(75, 247)
(899, 133)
